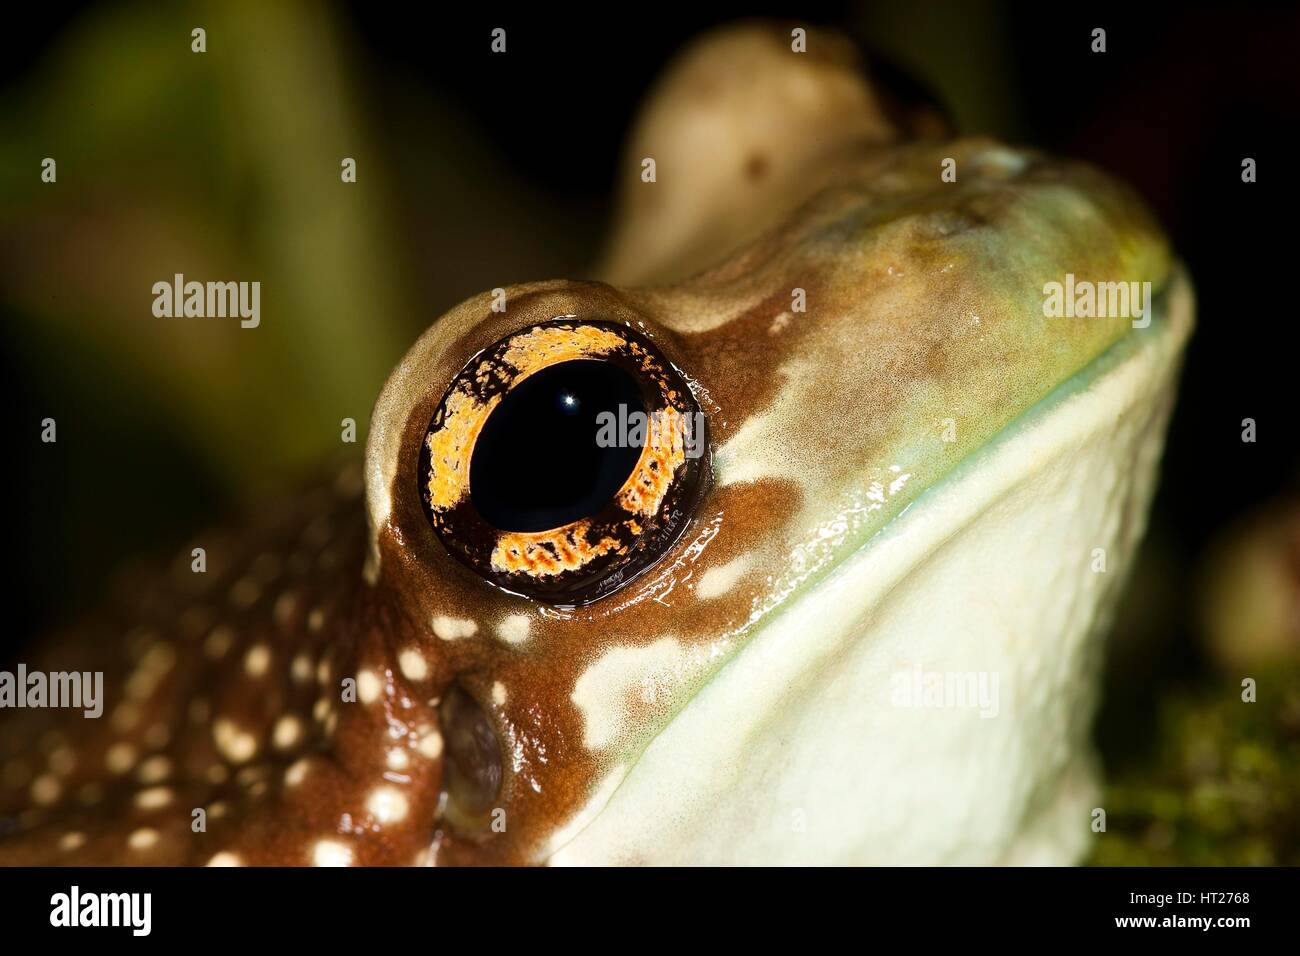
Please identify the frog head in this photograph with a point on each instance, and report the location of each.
(793, 539)
(848, 607)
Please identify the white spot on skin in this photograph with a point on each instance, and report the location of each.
(413, 664)
(153, 798)
(297, 773)
(46, 789)
(63, 761)
(120, 758)
(387, 805)
(258, 660)
(756, 450)
(398, 759)
(155, 770)
(331, 853)
(285, 605)
(159, 659)
(431, 743)
(498, 693)
(142, 839)
(453, 628)
(716, 582)
(234, 744)
(219, 641)
(301, 669)
(73, 840)
(141, 684)
(125, 716)
(287, 733)
(514, 628)
(369, 687)
(225, 858)
(622, 677)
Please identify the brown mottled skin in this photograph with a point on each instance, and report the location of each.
(807, 186)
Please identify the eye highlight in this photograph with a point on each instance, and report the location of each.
(550, 417)
(564, 460)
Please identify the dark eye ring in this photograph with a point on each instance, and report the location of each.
(564, 460)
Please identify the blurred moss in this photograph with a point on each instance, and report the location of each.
(1222, 786)
(222, 165)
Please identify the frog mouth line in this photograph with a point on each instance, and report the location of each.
(1170, 324)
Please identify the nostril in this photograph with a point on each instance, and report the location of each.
(472, 756)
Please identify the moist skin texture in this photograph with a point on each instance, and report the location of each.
(912, 473)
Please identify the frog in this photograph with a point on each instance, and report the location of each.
(851, 612)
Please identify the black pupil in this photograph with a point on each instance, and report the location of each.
(537, 464)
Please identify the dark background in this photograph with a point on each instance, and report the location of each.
(1173, 106)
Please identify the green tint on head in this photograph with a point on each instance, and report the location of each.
(924, 333)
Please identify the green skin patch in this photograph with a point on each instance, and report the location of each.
(925, 318)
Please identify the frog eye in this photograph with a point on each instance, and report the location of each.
(564, 460)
